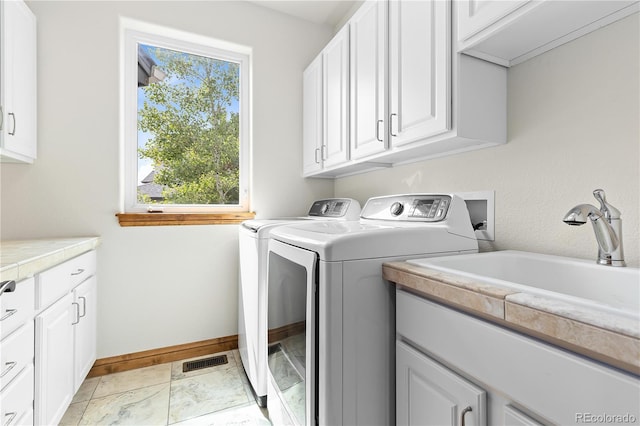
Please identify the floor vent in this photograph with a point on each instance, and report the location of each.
(204, 363)
(274, 348)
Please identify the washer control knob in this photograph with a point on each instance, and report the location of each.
(396, 208)
(324, 208)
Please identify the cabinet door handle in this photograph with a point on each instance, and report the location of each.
(316, 155)
(77, 271)
(10, 366)
(12, 133)
(324, 152)
(77, 313)
(378, 130)
(7, 286)
(391, 120)
(11, 416)
(84, 306)
(8, 314)
(1, 117)
(464, 413)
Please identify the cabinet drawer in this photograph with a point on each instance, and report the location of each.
(17, 398)
(25, 420)
(16, 307)
(52, 284)
(82, 267)
(17, 353)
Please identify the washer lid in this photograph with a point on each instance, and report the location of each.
(340, 241)
(255, 225)
(327, 209)
(386, 230)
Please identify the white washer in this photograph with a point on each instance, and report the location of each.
(252, 291)
(331, 345)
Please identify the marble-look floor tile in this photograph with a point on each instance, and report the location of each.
(295, 399)
(133, 379)
(246, 415)
(248, 389)
(205, 393)
(86, 390)
(74, 413)
(284, 373)
(145, 406)
(177, 373)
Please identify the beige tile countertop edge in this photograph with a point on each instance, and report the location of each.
(405, 275)
(612, 345)
(614, 348)
(20, 259)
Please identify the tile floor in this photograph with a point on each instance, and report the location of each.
(164, 395)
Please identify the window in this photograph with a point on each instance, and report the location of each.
(185, 122)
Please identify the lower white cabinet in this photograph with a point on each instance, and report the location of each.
(447, 361)
(65, 334)
(17, 400)
(16, 354)
(84, 330)
(54, 361)
(427, 393)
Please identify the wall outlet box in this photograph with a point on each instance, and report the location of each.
(481, 206)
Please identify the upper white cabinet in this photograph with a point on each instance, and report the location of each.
(335, 71)
(312, 117)
(476, 15)
(419, 70)
(411, 96)
(508, 32)
(18, 82)
(368, 74)
(325, 119)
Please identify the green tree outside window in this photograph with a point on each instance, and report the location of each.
(191, 117)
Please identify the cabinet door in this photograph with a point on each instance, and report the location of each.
(368, 73)
(420, 70)
(427, 393)
(17, 399)
(19, 88)
(312, 117)
(335, 67)
(54, 361)
(85, 330)
(476, 15)
(16, 307)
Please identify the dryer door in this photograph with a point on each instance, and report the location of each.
(292, 331)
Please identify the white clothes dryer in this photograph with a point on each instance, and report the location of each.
(252, 292)
(331, 314)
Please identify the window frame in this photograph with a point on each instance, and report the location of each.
(132, 33)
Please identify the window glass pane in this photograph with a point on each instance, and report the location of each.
(188, 128)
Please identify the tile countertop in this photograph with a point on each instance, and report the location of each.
(606, 338)
(21, 259)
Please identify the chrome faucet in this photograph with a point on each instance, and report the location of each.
(607, 226)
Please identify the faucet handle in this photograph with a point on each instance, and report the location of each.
(607, 209)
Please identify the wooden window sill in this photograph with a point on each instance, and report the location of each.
(178, 219)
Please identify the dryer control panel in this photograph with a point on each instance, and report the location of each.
(345, 208)
(411, 208)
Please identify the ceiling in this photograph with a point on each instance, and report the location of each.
(324, 12)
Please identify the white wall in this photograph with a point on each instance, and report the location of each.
(573, 127)
(158, 286)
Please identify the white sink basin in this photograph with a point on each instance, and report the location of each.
(604, 288)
